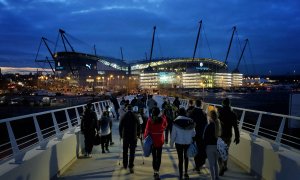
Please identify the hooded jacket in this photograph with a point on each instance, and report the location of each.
(156, 130)
(183, 131)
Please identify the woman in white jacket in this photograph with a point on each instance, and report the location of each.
(182, 135)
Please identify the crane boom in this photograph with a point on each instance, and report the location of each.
(63, 37)
(236, 70)
(228, 50)
(196, 44)
(152, 44)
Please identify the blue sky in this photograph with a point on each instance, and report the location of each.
(272, 27)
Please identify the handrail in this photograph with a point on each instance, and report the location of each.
(278, 139)
(68, 121)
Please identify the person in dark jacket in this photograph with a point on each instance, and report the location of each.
(115, 102)
(155, 128)
(228, 121)
(176, 102)
(105, 131)
(89, 126)
(211, 133)
(191, 107)
(129, 129)
(182, 135)
(199, 117)
(168, 111)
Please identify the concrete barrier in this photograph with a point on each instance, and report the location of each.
(258, 156)
(45, 163)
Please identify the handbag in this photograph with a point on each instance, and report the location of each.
(222, 149)
(192, 151)
(97, 139)
(147, 145)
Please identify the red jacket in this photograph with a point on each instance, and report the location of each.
(156, 130)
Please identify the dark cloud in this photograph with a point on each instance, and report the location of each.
(272, 27)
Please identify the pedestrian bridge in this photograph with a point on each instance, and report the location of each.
(49, 145)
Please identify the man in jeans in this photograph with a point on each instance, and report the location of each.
(129, 130)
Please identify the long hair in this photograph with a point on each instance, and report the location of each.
(155, 115)
(214, 117)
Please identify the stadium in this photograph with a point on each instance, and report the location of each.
(91, 72)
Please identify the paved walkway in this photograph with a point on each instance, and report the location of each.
(106, 166)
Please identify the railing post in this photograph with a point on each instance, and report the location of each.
(57, 131)
(242, 120)
(70, 127)
(99, 107)
(280, 131)
(77, 116)
(255, 133)
(40, 137)
(14, 146)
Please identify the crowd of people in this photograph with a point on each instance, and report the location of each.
(171, 124)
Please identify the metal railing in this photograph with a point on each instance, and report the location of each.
(22, 133)
(267, 125)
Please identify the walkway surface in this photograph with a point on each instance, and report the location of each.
(109, 165)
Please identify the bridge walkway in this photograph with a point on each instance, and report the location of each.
(106, 166)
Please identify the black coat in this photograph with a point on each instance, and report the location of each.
(200, 120)
(228, 121)
(89, 122)
(129, 127)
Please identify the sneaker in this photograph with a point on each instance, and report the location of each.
(131, 170)
(156, 176)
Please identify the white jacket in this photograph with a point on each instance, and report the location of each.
(180, 134)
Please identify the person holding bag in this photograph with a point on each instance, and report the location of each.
(88, 127)
(182, 135)
(155, 128)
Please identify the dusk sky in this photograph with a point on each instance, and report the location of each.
(272, 27)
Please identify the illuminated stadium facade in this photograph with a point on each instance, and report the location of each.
(92, 72)
(89, 70)
(186, 73)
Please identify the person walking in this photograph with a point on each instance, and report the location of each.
(169, 112)
(200, 119)
(228, 120)
(155, 128)
(129, 129)
(111, 116)
(105, 131)
(150, 104)
(182, 135)
(116, 104)
(211, 133)
(190, 107)
(89, 127)
(176, 102)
